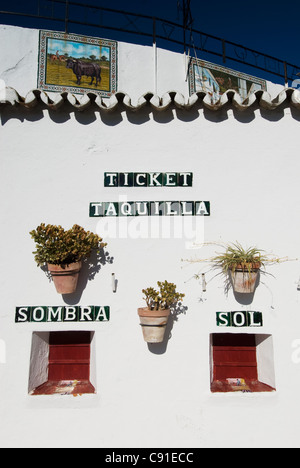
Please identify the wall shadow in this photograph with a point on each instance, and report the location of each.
(161, 348)
(90, 268)
(140, 116)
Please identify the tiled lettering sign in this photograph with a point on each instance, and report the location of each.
(62, 314)
(240, 319)
(150, 208)
(148, 179)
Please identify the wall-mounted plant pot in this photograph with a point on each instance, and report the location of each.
(153, 323)
(243, 280)
(65, 278)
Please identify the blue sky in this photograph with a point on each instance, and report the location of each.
(266, 26)
(76, 50)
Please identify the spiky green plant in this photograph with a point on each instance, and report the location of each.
(57, 246)
(236, 256)
(164, 298)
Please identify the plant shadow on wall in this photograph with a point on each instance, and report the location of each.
(160, 348)
(157, 319)
(241, 269)
(90, 267)
(69, 257)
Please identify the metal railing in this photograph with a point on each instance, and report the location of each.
(183, 37)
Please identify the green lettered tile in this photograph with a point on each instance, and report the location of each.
(185, 179)
(102, 313)
(127, 209)
(141, 208)
(87, 314)
(23, 314)
(111, 179)
(187, 208)
(172, 208)
(97, 209)
(170, 179)
(111, 209)
(223, 319)
(39, 314)
(255, 319)
(126, 179)
(155, 179)
(55, 314)
(156, 208)
(239, 319)
(140, 179)
(71, 314)
(202, 208)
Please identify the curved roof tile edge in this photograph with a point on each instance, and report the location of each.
(82, 102)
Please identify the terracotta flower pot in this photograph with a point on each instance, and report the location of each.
(153, 323)
(65, 278)
(243, 281)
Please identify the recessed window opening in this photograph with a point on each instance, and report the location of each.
(62, 363)
(242, 362)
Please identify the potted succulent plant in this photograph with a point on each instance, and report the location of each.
(242, 265)
(154, 317)
(63, 252)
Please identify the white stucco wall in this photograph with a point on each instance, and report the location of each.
(52, 167)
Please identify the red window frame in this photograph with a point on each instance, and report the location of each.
(234, 359)
(68, 364)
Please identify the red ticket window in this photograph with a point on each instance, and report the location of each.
(68, 364)
(235, 364)
(69, 356)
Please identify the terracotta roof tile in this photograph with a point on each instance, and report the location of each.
(259, 98)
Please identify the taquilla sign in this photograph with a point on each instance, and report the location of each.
(150, 208)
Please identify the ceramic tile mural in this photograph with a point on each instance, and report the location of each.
(215, 80)
(77, 64)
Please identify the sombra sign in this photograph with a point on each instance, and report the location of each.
(239, 319)
(65, 314)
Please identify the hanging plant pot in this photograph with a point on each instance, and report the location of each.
(65, 277)
(153, 323)
(63, 252)
(244, 278)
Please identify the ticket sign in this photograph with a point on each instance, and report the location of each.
(148, 179)
(64, 314)
(239, 319)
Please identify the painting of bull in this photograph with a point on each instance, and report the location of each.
(81, 68)
(77, 64)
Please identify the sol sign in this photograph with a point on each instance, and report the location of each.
(239, 319)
